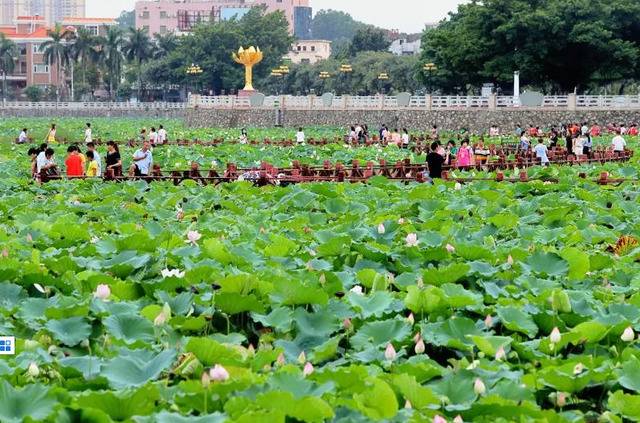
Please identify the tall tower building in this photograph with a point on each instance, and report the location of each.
(53, 11)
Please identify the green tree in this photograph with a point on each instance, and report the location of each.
(127, 19)
(8, 52)
(84, 50)
(137, 49)
(56, 52)
(369, 38)
(338, 27)
(33, 93)
(111, 46)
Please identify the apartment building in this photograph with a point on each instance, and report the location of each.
(52, 11)
(309, 51)
(179, 16)
(29, 33)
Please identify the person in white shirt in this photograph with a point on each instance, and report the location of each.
(541, 152)
(143, 160)
(96, 156)
(300, 138)
(162, 135)
(578, 146)
(405, 138)
(45, 161)
(23, 138)
(584, 130)
(153, 136)
(618, 143)
(88, 137)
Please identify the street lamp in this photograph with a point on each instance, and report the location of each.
(430, 68)
(345, 71)
(324, 76)
(382, 78)
(195, 71)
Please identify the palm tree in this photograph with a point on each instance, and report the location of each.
(137, 49)
(112, 44)
(164, 44)
(8, 51)
(56, 51)
(84, 50)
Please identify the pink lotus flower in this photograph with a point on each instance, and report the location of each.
(390, 352)
(420, 347)
(501, 354)
(412, 240)
(439, 419)
(193, 237)
(102, 292)
(458, 419)
(411, 319)
(561, 399)
(308, 369)
(450, 248)
(488, 321)
(280, 360)
(381, 229)
(218, 373)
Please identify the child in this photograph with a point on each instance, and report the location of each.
(87, 134)
(92, 170)
(51, 136)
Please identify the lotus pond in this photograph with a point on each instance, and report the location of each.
(494, 302)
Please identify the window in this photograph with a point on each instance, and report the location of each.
(93, 30)
(304, 48)
(145, 14)
(146, 28)
(35, 48)
(313, 48)
(163, 29)
(40, 68)
(23, 50)
(305, 61)
(163, 14)
(299, 48)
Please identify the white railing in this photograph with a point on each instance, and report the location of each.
(48, 105)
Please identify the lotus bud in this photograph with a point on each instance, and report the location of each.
(5, 253)
(579, 368)
(263, 230)
(346, 323)
(478, 387)
(439, 419)
(450, 248)
(39, 288)
(458, 419)
(206, 380)
(417, 337)
(390, 352)
(457, 186)
(102, 292)
(401, 221)
(308, 369)
(381, 229)
(33, 370)
(500, 354)
(251, 350)
(561, 399)
(420, 283)
(280, 361)
(218, 373)
(555, 336)
(160, 319)
(29, 238)
(411, 319)
(412, 240)
(510, 260)
(302, 358)
(407, 405)
(419, 349)
(488, 321)
(323, 279)
(628, 335)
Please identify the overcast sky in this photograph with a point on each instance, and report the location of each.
(405, 15)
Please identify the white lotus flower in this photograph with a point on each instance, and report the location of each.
(412, 240)
(628, 335)
(488, 321)
(33, 370)
(407, 405)
(555, 337)
(308, 369)
(390, 352)
(450, 248)
(40, 288)
(381, 229)
(457, 186)
(102, 292)
(478, 387)
(218, 373)
(357, 290)
(510, 260)
(401, 221)
(458, 419)
(94, 240)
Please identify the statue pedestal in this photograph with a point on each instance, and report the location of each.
(246, 93)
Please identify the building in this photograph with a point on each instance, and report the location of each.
(53, 11)
(178, 16)
(309, 51)
(29, 33)
(405, 47)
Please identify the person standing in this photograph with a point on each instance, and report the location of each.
(435, 161)
(300, 138)
(542, 152)
(23, 138)
(405, 138)
(153, 137)
(618, 143)
(88, 136)
(587, 145)
(91, 148)
(163, 137)
(114, 161)
(51, 135)
(464, 154)
(142, 161)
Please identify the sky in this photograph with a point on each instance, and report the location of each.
(404, 15)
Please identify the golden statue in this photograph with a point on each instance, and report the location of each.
(249, 57)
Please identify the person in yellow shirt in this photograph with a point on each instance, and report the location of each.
(51, 135)
(92, 170)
